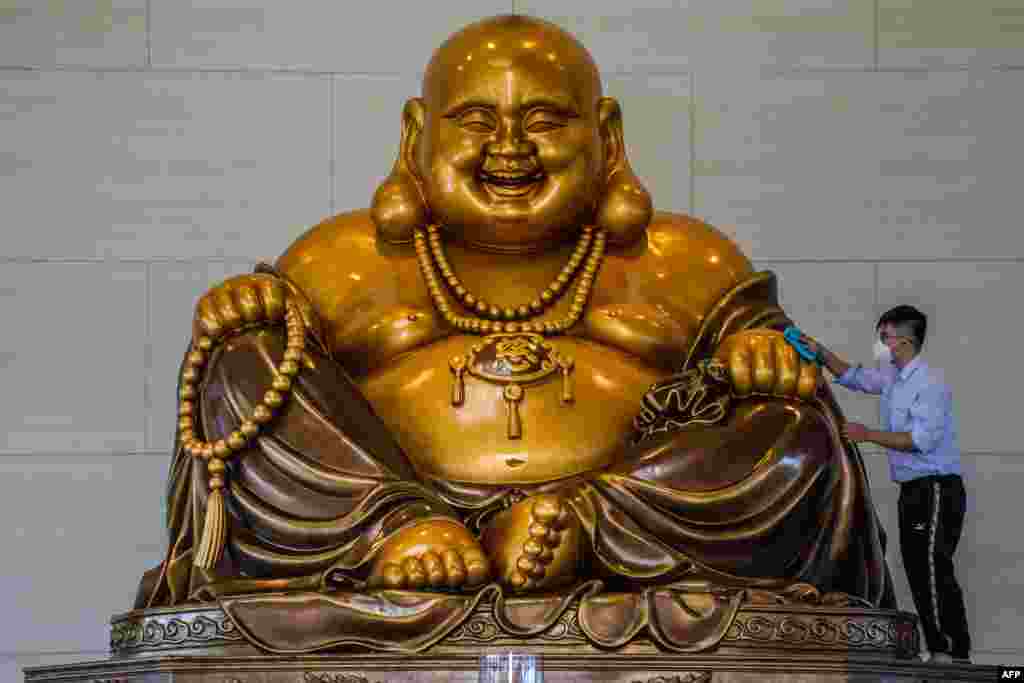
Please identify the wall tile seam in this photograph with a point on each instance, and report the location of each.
(129, 260)
(875, 298)
(201, 70)
(332, 171)
(875, 34)
(876, 288)
(964, 454)
(148, 33)
(691, 201)
(147, 355)
(878, 450)
(82, 456)
(616, 74)
(940, 260)
(12, 654)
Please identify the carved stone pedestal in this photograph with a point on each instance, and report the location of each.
(620, 667)
(760, 643)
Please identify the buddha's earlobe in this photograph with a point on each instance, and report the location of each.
(398, 206)
(624, 208)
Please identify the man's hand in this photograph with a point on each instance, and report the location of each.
(238, 301)
(812, 344)
(761, 361)
(836, 365)
(856, 432)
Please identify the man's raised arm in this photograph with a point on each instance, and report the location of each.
(856, 378)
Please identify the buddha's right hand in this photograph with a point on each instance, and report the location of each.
(238, 301)
(435, 553)
(761, 361)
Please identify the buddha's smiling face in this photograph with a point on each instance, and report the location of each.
(511, 155)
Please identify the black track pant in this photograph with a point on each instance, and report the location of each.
(931, 518)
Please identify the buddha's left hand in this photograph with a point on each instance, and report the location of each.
(761, 361)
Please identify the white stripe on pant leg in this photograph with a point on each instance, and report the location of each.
(936, 491)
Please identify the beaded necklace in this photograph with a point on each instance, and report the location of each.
(486, 318)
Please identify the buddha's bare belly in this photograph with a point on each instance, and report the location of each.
(470, 443)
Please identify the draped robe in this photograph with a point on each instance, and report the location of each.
(742, 493)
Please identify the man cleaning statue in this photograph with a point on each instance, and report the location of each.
(512, 376)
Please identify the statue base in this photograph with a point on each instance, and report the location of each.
(763, 643)
(619, 667)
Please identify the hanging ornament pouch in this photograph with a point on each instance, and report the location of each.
(514, 361)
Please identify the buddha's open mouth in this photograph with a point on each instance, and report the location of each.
(511, 183)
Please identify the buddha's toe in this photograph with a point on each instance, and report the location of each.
(451, 568)
(434, 569)
(392, 576)
(478, 568)
(415, 574)
(432, 555)
(454, 567)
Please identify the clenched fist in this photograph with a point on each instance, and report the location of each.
(761, 361)
(247, 299)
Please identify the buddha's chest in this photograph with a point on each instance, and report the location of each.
(509, 408)
(392, 313)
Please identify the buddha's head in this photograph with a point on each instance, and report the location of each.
(512, 146)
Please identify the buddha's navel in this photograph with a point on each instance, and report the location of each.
(497, 426)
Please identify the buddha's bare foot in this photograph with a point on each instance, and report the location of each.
(437, 553)
(535, 544)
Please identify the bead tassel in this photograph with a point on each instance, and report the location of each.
(210, 548)
(215, 532)
(567, 396)
(513, 395)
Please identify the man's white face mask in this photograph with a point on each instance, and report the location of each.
(883, 354)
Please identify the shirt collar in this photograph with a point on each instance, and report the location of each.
(907, 370)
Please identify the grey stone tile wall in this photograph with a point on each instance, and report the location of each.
(867, 151)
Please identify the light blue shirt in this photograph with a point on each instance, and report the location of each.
(914, 399)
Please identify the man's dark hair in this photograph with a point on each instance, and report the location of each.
(910, 318)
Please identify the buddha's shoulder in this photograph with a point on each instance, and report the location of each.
(681, 249)
(678, 238)
(346, 242)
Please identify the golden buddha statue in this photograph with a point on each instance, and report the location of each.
(509, 371)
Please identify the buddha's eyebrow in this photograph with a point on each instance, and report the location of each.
(564, 107)
(463, 105)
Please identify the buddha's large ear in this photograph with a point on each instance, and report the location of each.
(399, 206)
(624, 208)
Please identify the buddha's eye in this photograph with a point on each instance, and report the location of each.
(477, 121)
(544, 120)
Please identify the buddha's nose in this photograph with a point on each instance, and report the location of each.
(511, 148)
